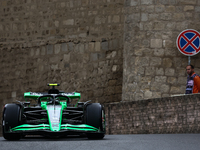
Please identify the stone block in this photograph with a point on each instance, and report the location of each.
(68, 22)
(49, 49)
(57, 48)
(155, 86)
(165, 88)
(138, 52)
(175, 90)
(170, 9)
(169, 71)
(166, 16)
(54, 66)
(97, 20)
(172, 2)
(159, 8)
(172, 80)
(182, 80)
(171, 52)
(81, 48)
(155, 61)
(158, 26)
(148, 94)
(189, 8)
(156, 43)
(96, 56)
(179, 16)
(167, 62)
(165, 95)
(146, 2)
(43, 50)
(66, 57)
(197, 9)
(1, 27)
(32, 52)
(150, 71)
(189, 15)
(133, 18)
(170, 25)
(153, 16)
(91, 46)
(62, 4)
(134, 2)
(144, 17)
(114, 44)
(116, 19)
(56, 23)
(64, 47)
(82, 35)
(148, 9)
(139, 96)
(159, 52)
(114, 68)
(142, 61)
(160, 79)
(111, 54)
(70, 46)
(54, 59)
(159, 71)
(169, 43)
(97, 46)
(14, 94)
(183, 2)
(104, 45)
(37, 52)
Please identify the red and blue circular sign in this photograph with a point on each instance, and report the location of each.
(188, 42)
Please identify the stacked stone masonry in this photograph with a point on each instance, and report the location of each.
(153, 67)
(109, 50)
(179, 114)
(76, 43)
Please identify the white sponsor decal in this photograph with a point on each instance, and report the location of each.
(67, 94)
(36, 94)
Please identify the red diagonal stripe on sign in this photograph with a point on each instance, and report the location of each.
(189, 42)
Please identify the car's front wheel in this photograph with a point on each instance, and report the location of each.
(11, 119)
(95, 116)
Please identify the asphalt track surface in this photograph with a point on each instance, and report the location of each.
(110, 142)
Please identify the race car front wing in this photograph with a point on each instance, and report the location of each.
(46, 127)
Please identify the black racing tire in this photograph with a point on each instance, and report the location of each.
(95, 116)
(11, 118)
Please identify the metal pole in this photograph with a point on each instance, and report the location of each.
(189, 60)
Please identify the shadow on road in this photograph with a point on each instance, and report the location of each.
(42, 138)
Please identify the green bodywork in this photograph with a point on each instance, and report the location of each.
(54, 113)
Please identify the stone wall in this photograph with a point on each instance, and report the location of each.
(109, 50)
(179, 114)
(153, 67)
(77, 43)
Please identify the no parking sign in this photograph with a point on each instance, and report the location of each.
(188, 42)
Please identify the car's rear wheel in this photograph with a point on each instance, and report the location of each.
(95, 116)
(11, 118)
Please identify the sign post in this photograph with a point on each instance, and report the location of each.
(188, 43)
(189, 61)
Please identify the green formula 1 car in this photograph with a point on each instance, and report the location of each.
(53, 115)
